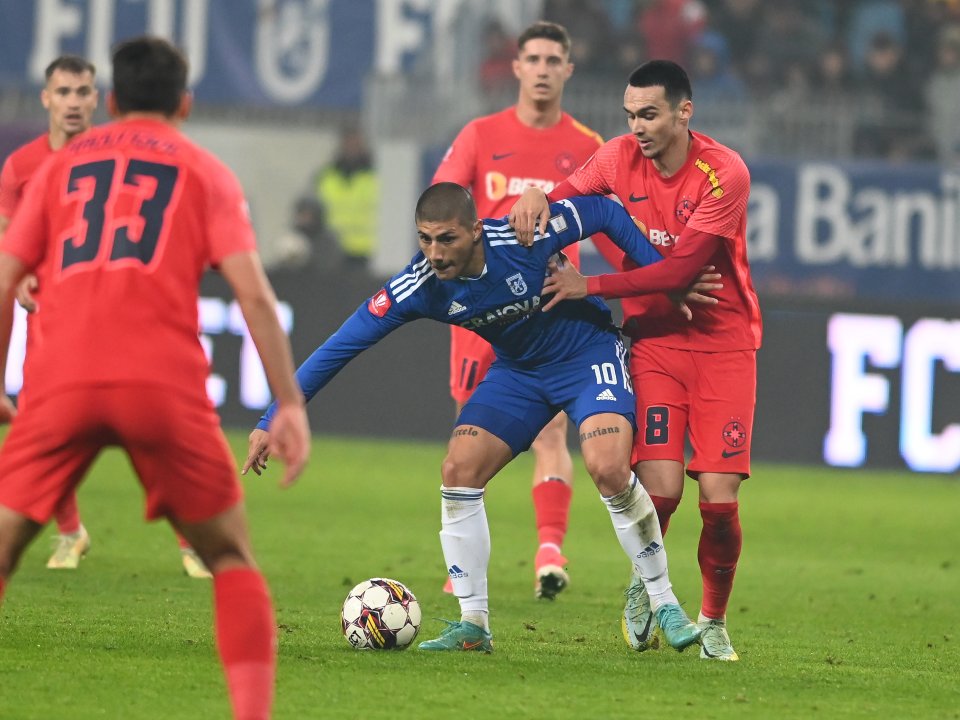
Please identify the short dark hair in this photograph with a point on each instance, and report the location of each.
(446, 201)
(149, 75)
(71, 64)
(666, 74)
(547, 31)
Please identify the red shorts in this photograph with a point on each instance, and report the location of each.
(708, 397)
(470, 358)
(173, 439)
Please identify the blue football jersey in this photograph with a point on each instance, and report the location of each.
(502, 305)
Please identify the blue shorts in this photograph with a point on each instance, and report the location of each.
(515, 404)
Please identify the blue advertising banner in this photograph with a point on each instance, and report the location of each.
(254, 52)
(865, 230)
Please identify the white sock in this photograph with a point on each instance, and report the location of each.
(638, 530)
(465, 539)
(703, 618)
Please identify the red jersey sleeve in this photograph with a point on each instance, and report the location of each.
(8, 189)
(459, 164)
(724, 201)
(597, 175)
(228, 215)
(26, 235)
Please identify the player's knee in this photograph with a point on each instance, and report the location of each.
(610, 475)
(457, 472)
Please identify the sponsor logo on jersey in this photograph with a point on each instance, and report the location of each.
(711, 174)
(455, 308)
(501, 156)
(638, 198)
(505, 315)
(379, 303)
(517, 285)
(498, 186)
(661, 237)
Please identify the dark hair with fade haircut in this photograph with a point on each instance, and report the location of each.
(446, 201)
(71, 64)
(666, 74)
(149, 75)
(547, 31)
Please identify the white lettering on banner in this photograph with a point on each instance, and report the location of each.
(399, 33)
(217, 317)
(57, 20)
(872, 227)
(763, 218)
(854, 339)
(292, 48)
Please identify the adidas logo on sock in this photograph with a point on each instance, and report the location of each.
(651, 550)
(455, 308)
(606, 395)
(456, 572)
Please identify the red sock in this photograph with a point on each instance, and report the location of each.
(551, 504)
(665, 508)
(719, 551)
(67, 514)
(3, 584)
(247, 640)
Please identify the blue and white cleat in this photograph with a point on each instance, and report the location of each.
(461, 636)
(678, 630)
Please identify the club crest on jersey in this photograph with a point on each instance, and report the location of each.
(685, 210)
(565, 163)
(517, 285)
(379, 303)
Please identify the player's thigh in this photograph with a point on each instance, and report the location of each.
(721, 413)
(176, 446)
(222, 541)
(605, 442)
(48, 450)
(661, 380)
(470, 358)
(509, 404)
(474, 456)
(553, 437)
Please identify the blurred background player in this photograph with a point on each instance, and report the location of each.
(165, 210)
(694, 380)
(496, 157)
(70, 99)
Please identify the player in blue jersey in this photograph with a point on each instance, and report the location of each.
(473, 273)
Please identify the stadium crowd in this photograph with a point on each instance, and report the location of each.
(889, 70)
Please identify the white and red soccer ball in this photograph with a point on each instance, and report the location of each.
(380, 614)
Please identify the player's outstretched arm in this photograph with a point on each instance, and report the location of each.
(289, 438)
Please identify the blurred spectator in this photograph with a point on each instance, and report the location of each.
(499, 52)
(737, 21)
(791, 36)
(892, 104)
(588, 23)
(943, 97)
(670, 28)
(832, 75)
(868, 19)
(711, 72)
(335, 224)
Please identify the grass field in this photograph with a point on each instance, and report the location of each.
(846, 604)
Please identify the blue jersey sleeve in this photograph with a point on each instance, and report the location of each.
(371, 322)
(576, 218)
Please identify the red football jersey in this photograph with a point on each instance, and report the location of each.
(122, 224)
(498, 157)
(709, 194)
(18, 169)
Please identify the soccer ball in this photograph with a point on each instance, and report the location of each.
(380, 614)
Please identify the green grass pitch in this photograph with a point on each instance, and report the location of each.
(846, 603)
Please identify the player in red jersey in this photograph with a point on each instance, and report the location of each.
(70, 98)
(532, 143)
(120, 226)
(692, 378)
